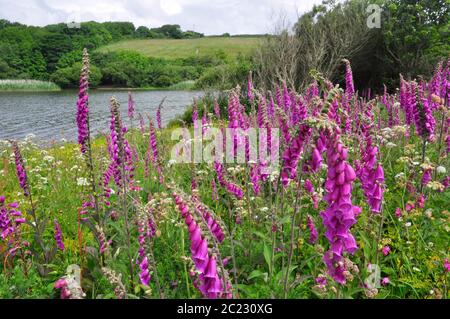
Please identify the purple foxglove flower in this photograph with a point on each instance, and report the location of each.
(216, 108)
(421, 201)
(309, 186)
(321, 280)
(292, 154)
(372, 177)
(426, 177)
(385, 281)
(154, 151)
(141, 123)
(313, 235)
(340, 214)
(255, 178)
(386, 250)
(58, 236)
(20, 169)
(195, 114)
(158, 115)
(287, 103)
(130, 106)
(212, 224)
(349, 86)
(83, 104)
(447, 265)
(144, 275)
(422, 113)
(10, 221)
(63, 285)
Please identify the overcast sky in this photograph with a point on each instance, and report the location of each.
(206, 16)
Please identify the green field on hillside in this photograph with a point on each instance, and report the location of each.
(172, 49)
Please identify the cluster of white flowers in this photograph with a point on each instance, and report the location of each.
(82, 181)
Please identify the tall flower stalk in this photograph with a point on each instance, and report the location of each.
(340, 214)
(119, 157)
(84, 134)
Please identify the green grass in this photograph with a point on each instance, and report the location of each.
(28, 85)
(173, 49)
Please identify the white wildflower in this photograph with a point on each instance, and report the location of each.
(391, 145)
(82, 181)
(441, 170)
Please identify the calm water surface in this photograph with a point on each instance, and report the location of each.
(51, 116)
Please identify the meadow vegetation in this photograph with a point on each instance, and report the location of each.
(357, 207)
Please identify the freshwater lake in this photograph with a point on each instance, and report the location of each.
(51, 116)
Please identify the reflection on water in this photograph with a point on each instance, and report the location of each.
(52, 115)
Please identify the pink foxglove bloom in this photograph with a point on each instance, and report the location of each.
(349, 86)
(213, 225)
(340, 214)
(409, 207)
(385, 281)
(287, 102)
(195, 114)
(313, 235)
(141, 123)
(447, 265)
(309, 186)
(321, 280)
(130, 106)
(398, 212)
(20, 169)
(292, 153)
(426, 177)
(63, 285)
(372, 178)
(421, 201)
(386, 250)
(255, 179)
(216, 109)
(229, 186)
(158, 115)
(83, 104)
(210, 283)
(10, 220)
(58, 236)
(144, 275)
(422, 113)
(154, 152)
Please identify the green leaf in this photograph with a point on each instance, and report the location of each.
(259, 234)
(255, 274)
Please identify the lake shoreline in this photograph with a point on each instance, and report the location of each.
(102, 88)
(52, 115)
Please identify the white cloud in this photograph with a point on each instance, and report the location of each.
(171, 7)
(206, 16)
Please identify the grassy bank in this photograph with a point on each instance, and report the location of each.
(28, 85)
(183, 48)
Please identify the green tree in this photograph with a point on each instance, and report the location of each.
(52, 47)
(143, 32)
(69, 77)
(414, 31)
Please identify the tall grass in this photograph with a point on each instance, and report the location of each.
(182, 86)
(28, 85)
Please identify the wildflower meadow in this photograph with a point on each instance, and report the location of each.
(323, 193)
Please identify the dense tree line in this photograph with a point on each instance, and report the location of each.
(53, 53)
(411, 37)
